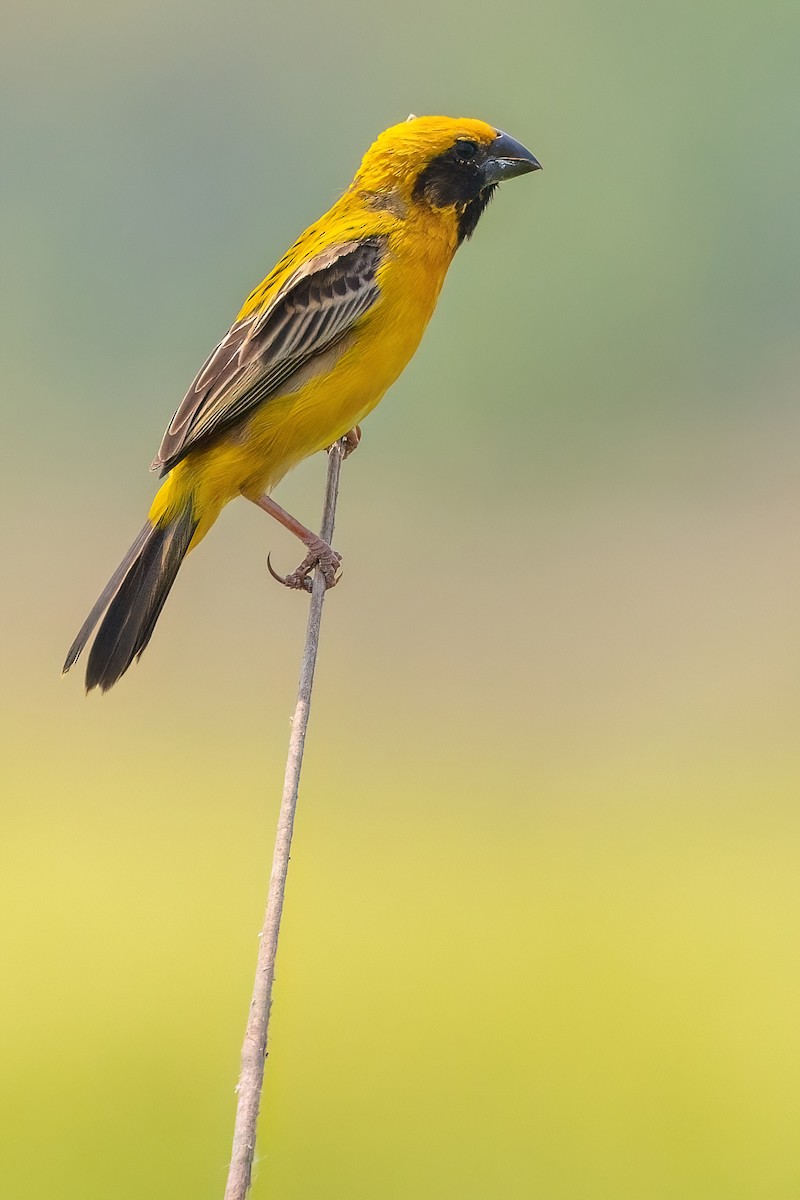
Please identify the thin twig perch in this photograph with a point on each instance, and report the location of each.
(254, 1049)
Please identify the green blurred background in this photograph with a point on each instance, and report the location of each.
(541, 931)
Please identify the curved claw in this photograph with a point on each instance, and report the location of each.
(302, 579)
(348, 442)
(295, 582)
(278, 578)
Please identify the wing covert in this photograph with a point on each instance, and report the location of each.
(316, 308)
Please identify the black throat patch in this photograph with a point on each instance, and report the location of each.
(468, 219)
(448, 182)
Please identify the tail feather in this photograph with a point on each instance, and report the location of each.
(132, 601)
(105, 598)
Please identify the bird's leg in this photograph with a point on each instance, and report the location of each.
(349, 442)
(320, 554)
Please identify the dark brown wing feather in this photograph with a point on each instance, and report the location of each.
(315, 309)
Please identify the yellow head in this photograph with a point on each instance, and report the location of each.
(451, 164)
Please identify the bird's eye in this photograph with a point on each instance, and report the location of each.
(466, 150)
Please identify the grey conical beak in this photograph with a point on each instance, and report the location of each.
(507, 159)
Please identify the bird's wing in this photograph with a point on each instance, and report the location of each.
(316, 307)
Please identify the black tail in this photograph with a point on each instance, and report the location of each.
(132, 600)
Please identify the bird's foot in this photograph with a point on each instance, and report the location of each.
(320, 557)
(349, 442)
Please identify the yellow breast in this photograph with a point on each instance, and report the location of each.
(335, 393)
(339, 393)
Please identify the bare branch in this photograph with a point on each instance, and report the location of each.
(254, 1048)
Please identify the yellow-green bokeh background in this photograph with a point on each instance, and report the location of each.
(541, 937)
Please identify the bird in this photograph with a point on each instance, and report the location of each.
(313, 350)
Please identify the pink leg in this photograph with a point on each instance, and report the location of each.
(320, 554)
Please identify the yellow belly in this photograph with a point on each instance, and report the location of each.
(252, 457)
(287, 429)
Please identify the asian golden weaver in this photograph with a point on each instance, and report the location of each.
(313, 350)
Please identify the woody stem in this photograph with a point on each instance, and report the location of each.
(254, 1049)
